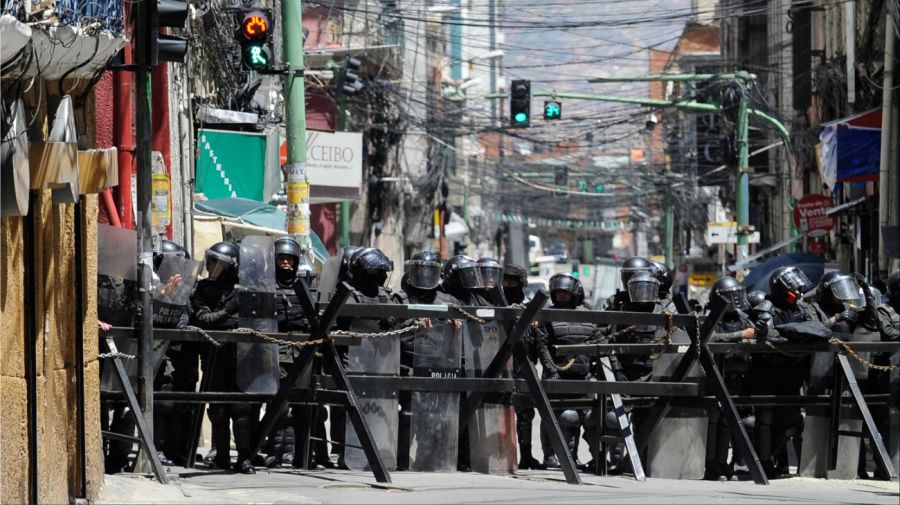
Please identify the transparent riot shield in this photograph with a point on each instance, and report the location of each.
(492, 429)
(116, 302)
(434, 426)
(374, 356)
(817, 424)
(172, 294)
(329, 279)
(257, 362)
(677, 447)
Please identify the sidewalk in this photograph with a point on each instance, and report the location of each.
(335, 486)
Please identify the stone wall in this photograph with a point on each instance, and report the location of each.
(54, 313)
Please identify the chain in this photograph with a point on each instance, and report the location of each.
(794, 355)
(205, 335)
(866, 363)
(418, 324)
(113, 355)
(273, 340)
(467, 315)
(666, 339)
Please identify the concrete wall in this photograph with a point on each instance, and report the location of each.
(54, 313)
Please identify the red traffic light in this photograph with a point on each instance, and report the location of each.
(255, 25)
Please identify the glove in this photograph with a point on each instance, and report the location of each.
(851, 316)
(231, 304)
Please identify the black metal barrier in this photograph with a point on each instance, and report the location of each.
(337, 387)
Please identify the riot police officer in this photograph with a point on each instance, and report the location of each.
(215, 307)
(777, 373)
(566, 292)
(735, 326)
(666, 278)
(461, 280)
(419, 286)
(491, 280)
(515, 278)
(629, 268)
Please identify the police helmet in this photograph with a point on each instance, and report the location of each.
(222, 261)
(491, 272)
(344, 271)
(168, 248)
(643, 287)
(287, 246)
(787, 285)
(566, 282)
(423, 270)
(462, 272)
(732, 292)
(755, 298)
(836, 289)
(666, 277)
(633, 265)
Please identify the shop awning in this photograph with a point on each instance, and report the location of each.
(850, 149)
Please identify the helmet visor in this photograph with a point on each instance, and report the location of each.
(794, 280)
(843, 288)
(217, 265)
(737, 298)
(490, 276)
(423, 274)
(643, 289)
(470, 277)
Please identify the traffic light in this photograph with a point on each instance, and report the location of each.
(347, 81)
(520, 104)
(157, 46)
(552, 110)
(600, 188)
(576, 268)
(561, 176)
(253, 34)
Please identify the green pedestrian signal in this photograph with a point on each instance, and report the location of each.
(254, 36)
(552, 110)
(257, 57)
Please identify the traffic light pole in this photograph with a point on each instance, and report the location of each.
(295, 118)
(144, 132)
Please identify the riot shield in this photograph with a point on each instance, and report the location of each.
(374, 356)
(328, 281)
(817, 424)
(492, 429)
(677, 447)
(172, 294)
(116, 304)
(434, 427)
(257, 362)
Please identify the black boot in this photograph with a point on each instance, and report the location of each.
(527, 461)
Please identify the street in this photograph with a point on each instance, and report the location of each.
(292, 486)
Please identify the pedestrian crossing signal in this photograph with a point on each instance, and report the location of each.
(552, 110)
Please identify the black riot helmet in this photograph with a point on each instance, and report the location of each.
(168, 248)
(755, 298)
(423, 271)
(643, 287)
(566, 282)
(515, 278)
(893, 289)
(222, 261)
(462, 273)
(346, 254)
(633, 265)
(369, 268)
(729, 289)
(491, 272)
(666, 277)
(835, 290)
(287, 246)
(787, 285)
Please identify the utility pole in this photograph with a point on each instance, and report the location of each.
(295, 118)
(345, 205)
(144, 132)
(887, 192)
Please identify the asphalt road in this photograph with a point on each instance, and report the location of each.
(334, 486)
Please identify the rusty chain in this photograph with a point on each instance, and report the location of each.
(113, 355)
(866, 363)
(418, 324)
(205, 335)
(466, 315)
(273, 340)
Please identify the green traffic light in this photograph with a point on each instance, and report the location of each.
(520, 117)
(552, 110)
(256, 57)
(600, 188)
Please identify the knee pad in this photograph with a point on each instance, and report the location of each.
(569, 419)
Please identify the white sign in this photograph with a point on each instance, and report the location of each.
(334, 165)
(726, 233)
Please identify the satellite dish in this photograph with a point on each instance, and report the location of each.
(15, 173)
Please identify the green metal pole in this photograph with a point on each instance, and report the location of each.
(295, 118)
(669, 229)
(345, 205)
(742, 182)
